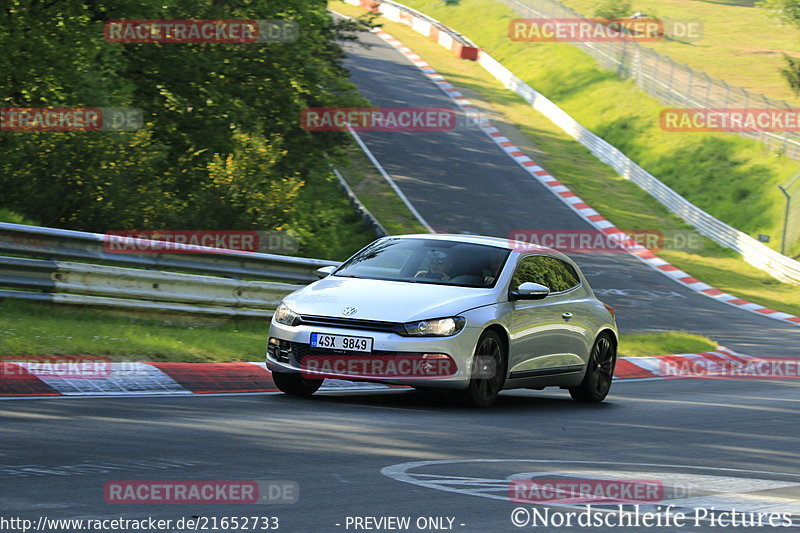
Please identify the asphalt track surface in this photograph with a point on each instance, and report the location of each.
(335, 446)
(460, 181)
(725, 443)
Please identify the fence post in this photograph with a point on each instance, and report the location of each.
(727, 93)
(786, 133)
(785, 219)
(655, 71)
(670, 90)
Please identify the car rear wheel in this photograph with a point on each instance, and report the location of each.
(488, 372)
(295, 384)
(599, 372)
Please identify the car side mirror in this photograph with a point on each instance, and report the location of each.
(530, 291)
(325, 271)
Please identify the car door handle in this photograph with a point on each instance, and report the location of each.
(566, 316)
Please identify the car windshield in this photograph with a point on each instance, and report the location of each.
(433, 261)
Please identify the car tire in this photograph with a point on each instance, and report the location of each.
(488, 372)
(295, 384)
(599, 372)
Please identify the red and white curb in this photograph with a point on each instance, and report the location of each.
(34, 379)
(675, 366)
(24, 379)
(574, 201)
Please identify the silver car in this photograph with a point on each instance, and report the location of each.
(468, 313)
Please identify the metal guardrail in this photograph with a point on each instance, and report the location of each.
(420, 15)
(246, 283)
(360, 208)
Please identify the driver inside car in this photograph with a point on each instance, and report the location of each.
(440, 267)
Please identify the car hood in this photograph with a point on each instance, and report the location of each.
(388, 301)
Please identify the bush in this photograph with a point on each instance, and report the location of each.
(613, 9)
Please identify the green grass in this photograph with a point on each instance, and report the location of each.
(670, 342)
(619, 200)
(40, 329)
(30, 329)
(378, 196)
(733, 178)
(740, 44)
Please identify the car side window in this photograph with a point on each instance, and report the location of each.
(548, 271)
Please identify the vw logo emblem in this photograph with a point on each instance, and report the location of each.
(347, 311)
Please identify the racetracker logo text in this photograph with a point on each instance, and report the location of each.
(730, 120)
(198, 241)
(70, 119)
(200, 492)
(596, 241)
(546, 30)
(757, 368)
(201, 31)
(585, 490)
(400, 366)
(55, 367)
(378, 119)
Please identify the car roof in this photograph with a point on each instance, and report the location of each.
(497, 242)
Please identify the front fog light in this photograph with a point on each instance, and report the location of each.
(440, 327)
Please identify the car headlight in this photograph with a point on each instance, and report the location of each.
(284, 315)
(440, 327)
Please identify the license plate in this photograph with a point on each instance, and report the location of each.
(341, 342)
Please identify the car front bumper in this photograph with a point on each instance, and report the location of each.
(293, 347)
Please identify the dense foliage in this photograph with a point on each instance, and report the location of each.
(221, 147)
(787, 11)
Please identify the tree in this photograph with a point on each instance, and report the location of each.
(791, 72)
(222, 146)
(787, 11)
(613, 9)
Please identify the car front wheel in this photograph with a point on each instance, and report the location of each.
(488, 372)
(599, 372)
(295, 384)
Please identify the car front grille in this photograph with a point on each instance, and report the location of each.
(300, 350)
(352, 323)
